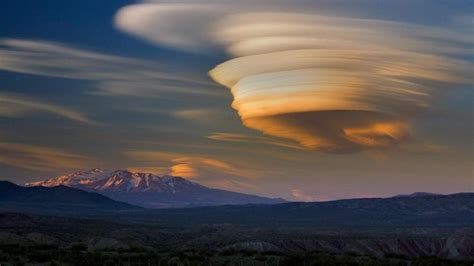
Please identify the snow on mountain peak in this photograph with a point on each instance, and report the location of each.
(151, 191)
(118, 181)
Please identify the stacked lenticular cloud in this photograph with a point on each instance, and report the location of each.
(329, 83)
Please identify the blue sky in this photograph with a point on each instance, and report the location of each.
(88, 84)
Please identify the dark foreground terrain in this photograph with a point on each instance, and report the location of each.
(79, 255)
(422, 230)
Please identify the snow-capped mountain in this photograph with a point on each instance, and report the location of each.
(119, 181)
(149, 190)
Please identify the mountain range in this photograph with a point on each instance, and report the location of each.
(416, 194)
(429, 225)
(57, 200)
(454, 210)
(151, 191)
(419, 224)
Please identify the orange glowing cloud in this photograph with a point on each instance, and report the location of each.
(321, 98)
(328, 82)
(218, 173)
(184, 170)
(190, 166)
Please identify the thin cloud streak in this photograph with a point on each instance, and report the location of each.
(15, 106)
(300, 195)
(200, 115)
(40, 158)
(191, 165)
(218, 173)
(234, 137)
(115, 75)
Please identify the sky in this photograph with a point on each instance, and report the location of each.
(305, 100)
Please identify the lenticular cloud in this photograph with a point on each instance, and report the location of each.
(328, 82)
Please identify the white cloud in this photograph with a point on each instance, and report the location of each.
(115, 75)
(327, 81)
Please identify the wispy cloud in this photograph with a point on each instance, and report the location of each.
(184, 170)
(13, 105)
(206, 163)
(300, 195)
(215, 172)
(40, 158)
(200, 115)
(153, 156)
(191, 165)
(154, 170)
(352, 90)
(207, 171)
(332, 83)
(115, 75)
(232, 185)
(234, 137)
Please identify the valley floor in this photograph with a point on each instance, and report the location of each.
(27, 239)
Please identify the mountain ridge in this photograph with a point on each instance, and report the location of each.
(116, 180)
(56, 199)
(152, 191)
(453, 210)
(417, 194)
(410, 227)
